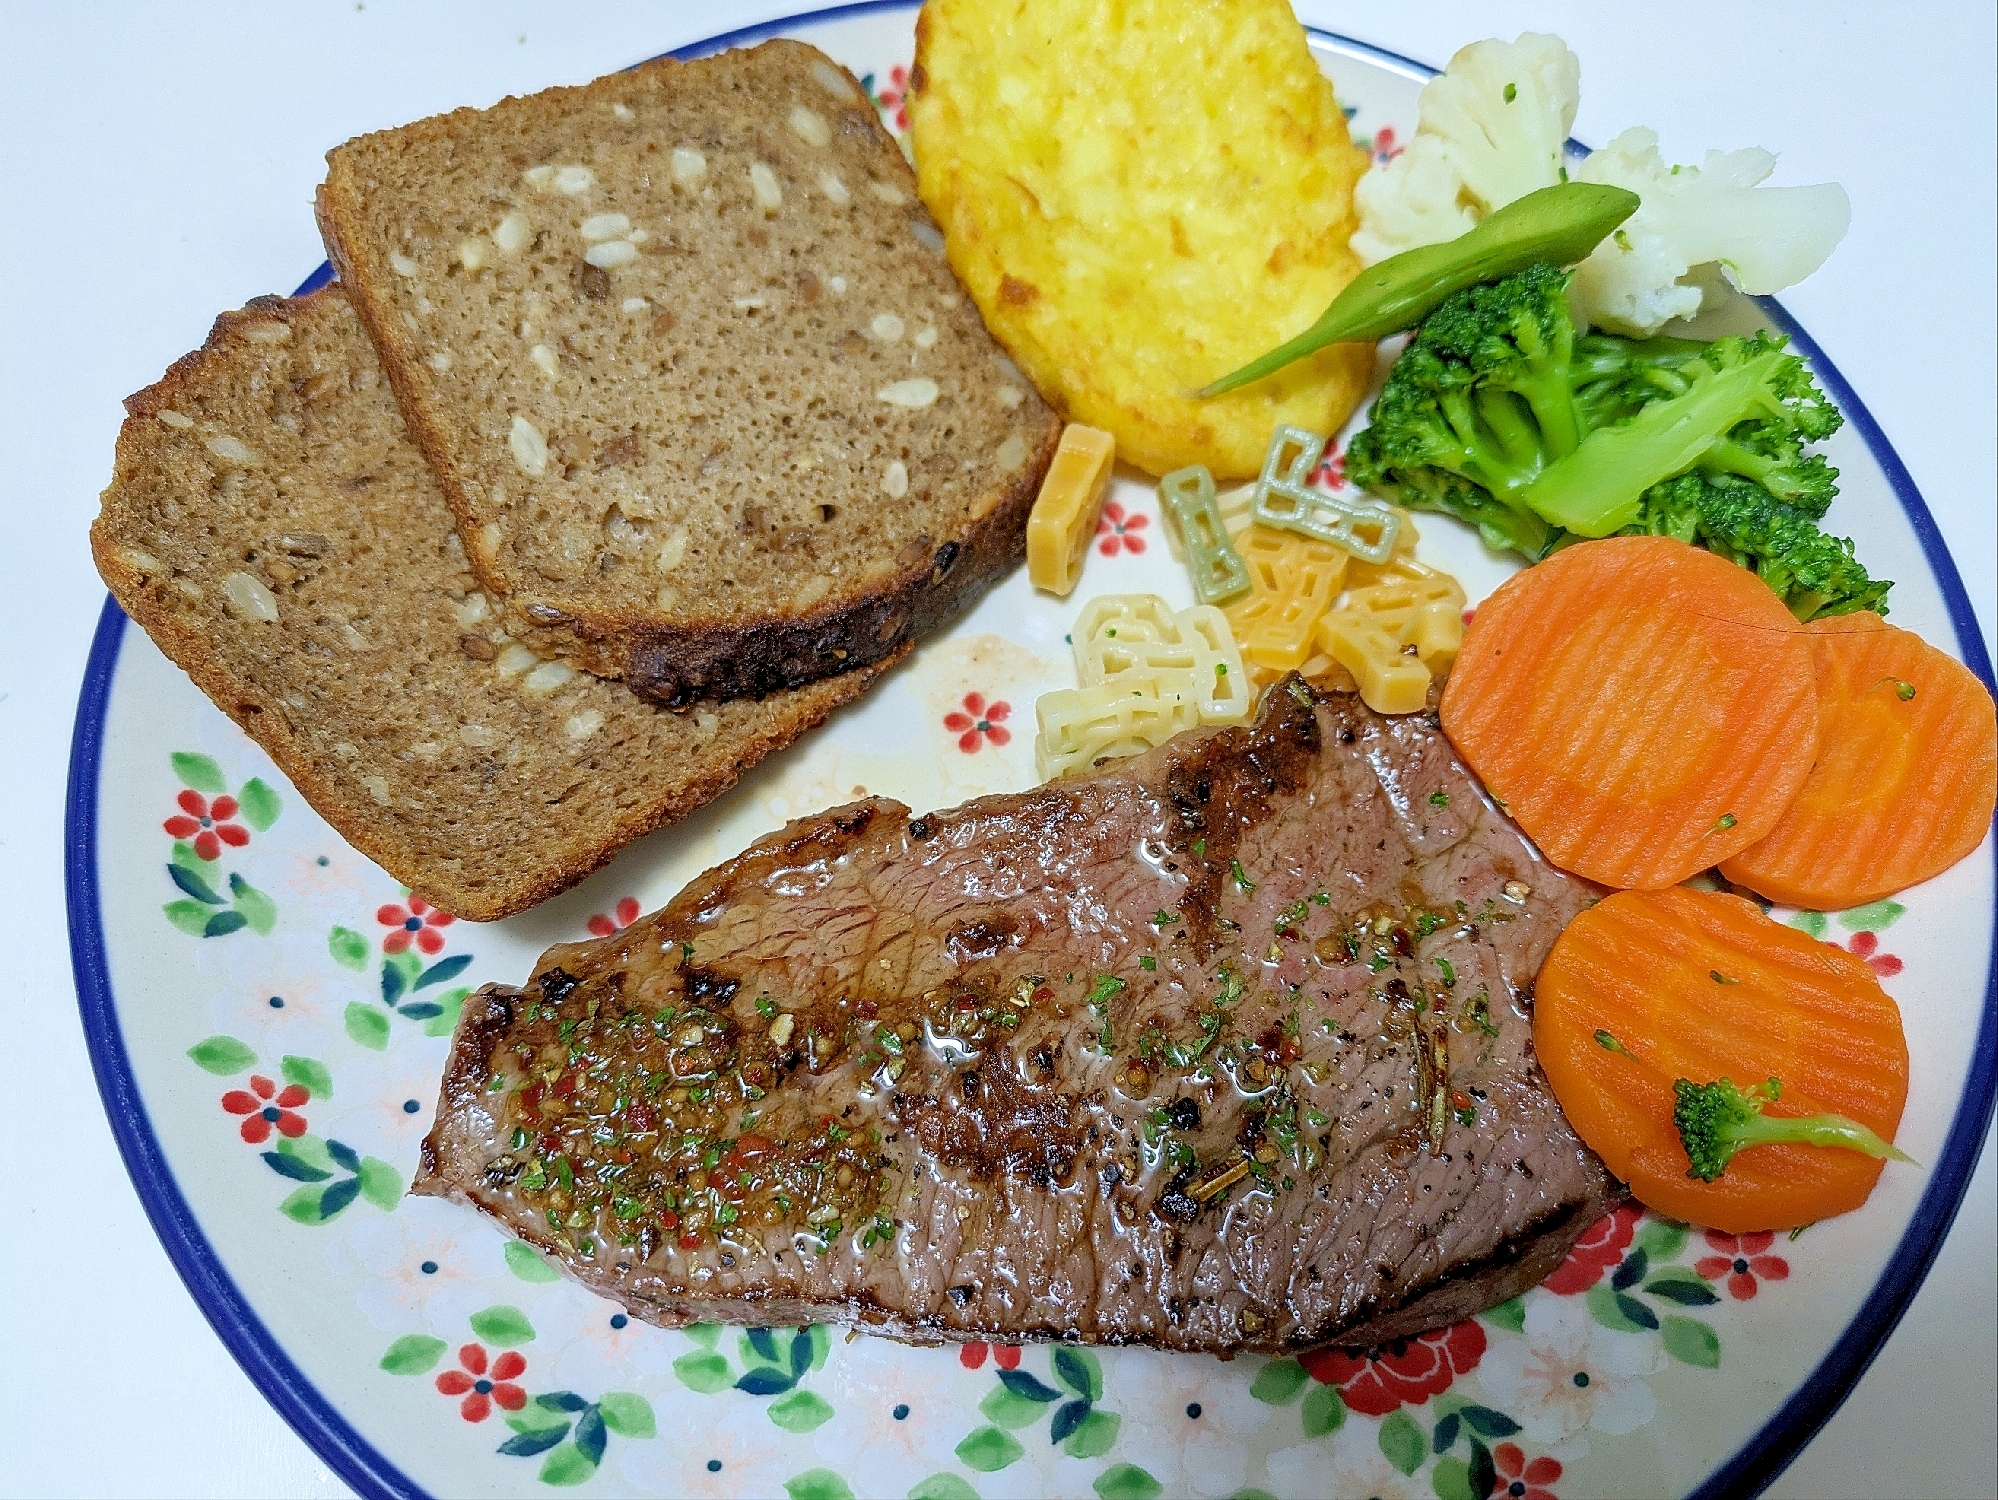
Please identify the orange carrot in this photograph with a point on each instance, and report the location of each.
(1906, 774)
(1652, 986)
(1643, 708)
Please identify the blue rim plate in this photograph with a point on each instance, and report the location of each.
(370, 1473)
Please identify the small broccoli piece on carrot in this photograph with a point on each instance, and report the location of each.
(1715, 1120)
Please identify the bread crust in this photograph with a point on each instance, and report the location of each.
(534, 871)
(681, 659)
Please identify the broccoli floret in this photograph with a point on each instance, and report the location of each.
(1814, 574)
(1482, 400)
(1740, 406)
(1715, 1120)
(1499, 413)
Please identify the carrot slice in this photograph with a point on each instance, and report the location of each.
(1698, 985)
(1644, 709)
(1906, 774)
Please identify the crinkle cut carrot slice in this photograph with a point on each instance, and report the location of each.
(1644, 709)
(1698, 985)
(1905, 779)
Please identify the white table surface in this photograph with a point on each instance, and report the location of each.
(159, 166)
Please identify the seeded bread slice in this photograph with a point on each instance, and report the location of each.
(276, 533)
(684, 353)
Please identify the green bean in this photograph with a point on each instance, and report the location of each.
(1561, 224)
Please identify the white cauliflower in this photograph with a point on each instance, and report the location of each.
(1762, 238)
(1492, 127)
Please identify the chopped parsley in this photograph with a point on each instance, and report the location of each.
(1439, 799)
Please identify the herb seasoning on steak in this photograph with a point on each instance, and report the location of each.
(1225, 1047)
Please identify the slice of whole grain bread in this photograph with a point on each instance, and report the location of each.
(273, 529)
(685, 356)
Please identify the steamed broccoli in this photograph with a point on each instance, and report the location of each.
(1499, 412)
(1715, 1120)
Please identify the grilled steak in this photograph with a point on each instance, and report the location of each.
(1225, 1047)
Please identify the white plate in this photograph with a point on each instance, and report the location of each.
(1650, 1365)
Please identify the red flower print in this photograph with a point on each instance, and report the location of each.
(979, 722)
(972, 1355)
(1408, 1371)
(1386, 147)
(1600, 1250)
(1521, 1479)
(624, 915)
(207, 823)
(1331, 473)
(1117, 530)
(1866, 945)
(1743, 1259)
(263, 1105)
(482, 1387)
(895, 98)
(417, 919)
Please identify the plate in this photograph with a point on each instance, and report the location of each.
(268, 1025)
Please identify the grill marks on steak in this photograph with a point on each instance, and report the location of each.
(917, 1075)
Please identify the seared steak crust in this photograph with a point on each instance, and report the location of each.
(1225, 1047)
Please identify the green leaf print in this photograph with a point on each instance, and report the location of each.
(1278, 1382)
(1010, 1409)
(1661, 1239)
(1079, 1370)
(703, 1334)
(380, 1183)
(1875, 916)
(348, 947)
(567, 1465)
(1683, 1288)
(222, 1055)
(944, 1486)
(1126, 1482)
(1094, 1436)
(368, 1026)
(704, 1372)
(522, 1260)
(413, 1354)
(1324, 1413)
(1510, 1315)
(1691, 1342)
(449, 1005)
(800, 1411)
(185, 857)
(310, 1074)
(259, 803)
(1618, 1310)
(1401, 1442)
(310, 1151)
(1812, 922)
(199, 772)
(627, 1415)
(191, 917)
(193, 885)
(502, 1326)
(253, 905)
(818, 1484)
(320, 1203)
(1451, 1479)
(988, 1450)
(539, 1417)
(222, 923)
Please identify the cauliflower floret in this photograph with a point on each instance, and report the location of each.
(1763, 239)
(1492, 127)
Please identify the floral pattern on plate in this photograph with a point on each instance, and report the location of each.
(285, 1004)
